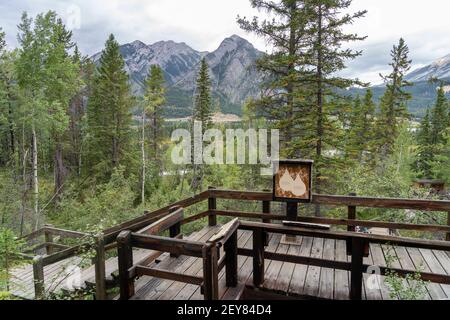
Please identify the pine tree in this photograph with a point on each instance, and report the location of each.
(202, 113)
(425, 150)
(283, 97)
(393, 110)
(154, 100)
(202, 107)
(361, 127)
(439, 117)
(300, 95)
(109, 114)
(47, 79)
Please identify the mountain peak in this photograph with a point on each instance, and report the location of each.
(442, 61)
(439, 69)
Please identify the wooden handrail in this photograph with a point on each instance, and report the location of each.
(368, 202)
(336, 221)
(345, 235)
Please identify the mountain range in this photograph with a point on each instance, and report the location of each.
(234, 77)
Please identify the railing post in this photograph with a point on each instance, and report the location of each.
(351, 215)
(212, 205)
(210, 272)
(266, 209)
(174, 230)
(356, 273)
(258, 257)
(125, 256)
(48, 239)
(38, 277)
(100, 273)
(448, 223)
(231, 260)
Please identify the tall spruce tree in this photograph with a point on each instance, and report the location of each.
(283, 97)
(152, 109)
(300, 93)
(109, 114)
(360, 130)
(202, 113)
(425, 148)
(47, 79)
(439, 117)
(393, 109)
(202, 105)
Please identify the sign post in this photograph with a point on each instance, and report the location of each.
(292, 183)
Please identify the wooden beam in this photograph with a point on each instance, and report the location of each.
(356, 273)
(306, 225)
(163, 274)
(176, 246)
(231, 260)
(447, 237)
(143, 220)
(125, 259)
(38, 277)
(344, 235)
(341, 222)
(195, 217)
(341, 265)
(225, 232)
(258, 257)
(424, 205)
(210, 272)
(100, 272)
(212, 205)
(164, 223)
(266, 209)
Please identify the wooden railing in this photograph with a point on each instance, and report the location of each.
(356, 267)
(208, 251)
(107, 240)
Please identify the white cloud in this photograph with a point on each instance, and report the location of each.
(203, 24)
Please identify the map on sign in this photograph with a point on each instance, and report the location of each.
(292, 181)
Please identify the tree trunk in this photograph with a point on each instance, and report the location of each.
(143, 158)
(35, 178)
(319, 105)
(60, 170)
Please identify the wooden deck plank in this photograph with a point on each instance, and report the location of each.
(274, 269)
(326, 286)
(407, 263)
(285, 276)
(379, 260)
(341, 277)
(299, 274)
(372, 290)
(435, 267)
(313, 274)
(434, 289)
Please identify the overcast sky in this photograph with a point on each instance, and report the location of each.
(203, 24)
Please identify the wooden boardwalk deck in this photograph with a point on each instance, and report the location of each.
(294, 280)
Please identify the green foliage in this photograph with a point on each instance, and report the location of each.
(300, 92)
(109, 115)
(393, 109)
(10, 248)
(433, 141)
(202, 107)
(412, 287)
